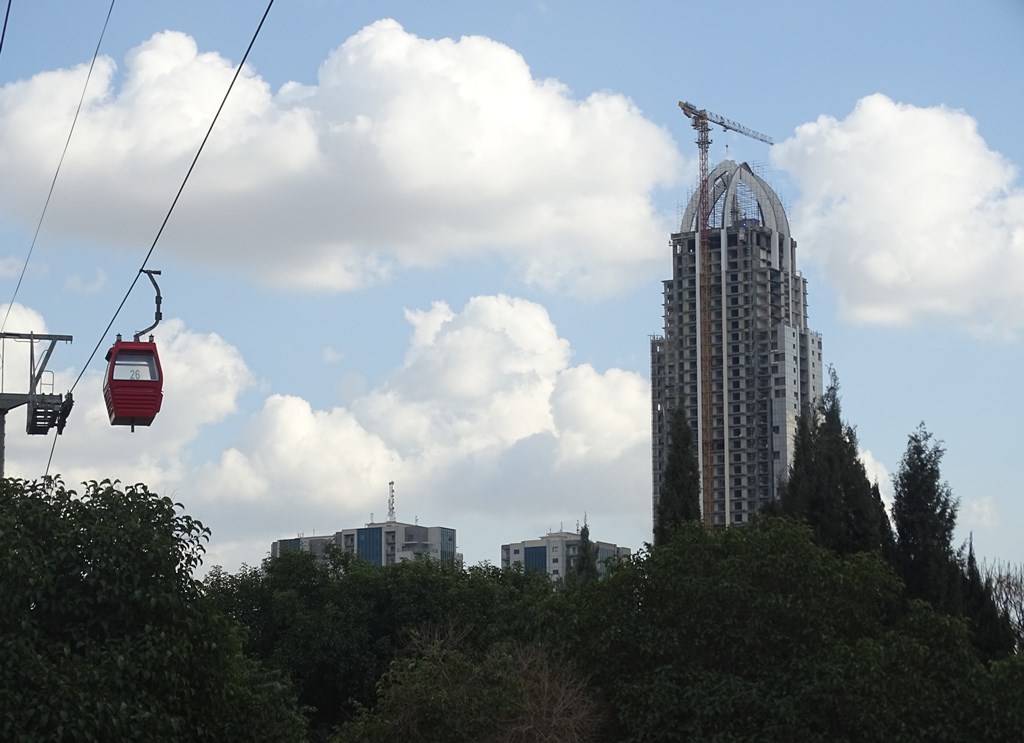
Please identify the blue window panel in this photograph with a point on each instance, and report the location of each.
(369, 545)
(536, 558)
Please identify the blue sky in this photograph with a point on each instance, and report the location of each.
(425, 244)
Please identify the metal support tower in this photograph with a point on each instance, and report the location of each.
(699, 119)
(44, 411)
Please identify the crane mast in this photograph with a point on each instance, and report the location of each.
(699, 119)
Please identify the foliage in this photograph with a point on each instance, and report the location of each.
(991, 630)
(1007, 584)
(105, 635)
(584, 568)
(679, 497)
(334, 628)
(924, 512)
(445, 690)
(760, 634)
(828, 486)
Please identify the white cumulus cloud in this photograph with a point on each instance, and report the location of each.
(485, 426)
(910, 215)
(979, 513)
(406, 152)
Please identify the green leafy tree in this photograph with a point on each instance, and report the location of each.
(679, 497)
(104, 633)
(828, 486)
(584, 567)
(1007, 583)
(992, 631)
(333, 628)
(761, 634)
(887, 536)
(443, 689)
(924, 512)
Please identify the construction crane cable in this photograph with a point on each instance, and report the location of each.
(56, 173)
(152, 247)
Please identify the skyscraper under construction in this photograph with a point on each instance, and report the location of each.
(736, 357)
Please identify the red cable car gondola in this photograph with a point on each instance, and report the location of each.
(133, 385)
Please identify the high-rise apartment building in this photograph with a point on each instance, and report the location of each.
(763, 364)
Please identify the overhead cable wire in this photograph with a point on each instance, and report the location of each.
(170, 210)
(177, 196)
(56, 173)
(3, 34)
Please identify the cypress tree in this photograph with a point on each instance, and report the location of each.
(585, 568)
(991, 631)
(679, 499)
(888, 538)
(828, 486)
(924, 512)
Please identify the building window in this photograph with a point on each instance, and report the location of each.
(515, 552)
(554, 560)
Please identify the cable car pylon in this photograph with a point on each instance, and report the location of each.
(133, 384)
(45, 411)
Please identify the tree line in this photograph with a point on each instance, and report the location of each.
(828, 489)
(822, 619)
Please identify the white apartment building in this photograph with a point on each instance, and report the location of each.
(555, 554)
(380, 543)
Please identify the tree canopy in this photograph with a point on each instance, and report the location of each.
(104, 633)
(828, 486)
(584, 567)
(924, 511)
(334, 628)
(679, 496)
(758, 633)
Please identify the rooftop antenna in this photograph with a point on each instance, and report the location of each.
(391, 501)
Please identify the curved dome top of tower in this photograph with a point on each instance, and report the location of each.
(736, 195)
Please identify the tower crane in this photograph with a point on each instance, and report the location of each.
(699, 119)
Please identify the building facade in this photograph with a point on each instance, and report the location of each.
(380, 543)
(555, 554)
(763, 363)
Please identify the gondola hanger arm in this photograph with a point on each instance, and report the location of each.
(158, 315)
